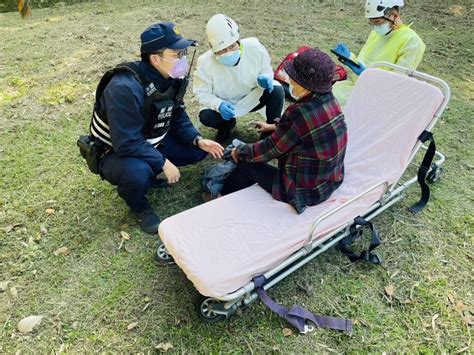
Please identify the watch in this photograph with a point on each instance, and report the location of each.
(197, 139)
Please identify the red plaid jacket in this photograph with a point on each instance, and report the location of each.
(310, 143)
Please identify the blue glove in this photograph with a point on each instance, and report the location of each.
(343, 50)
(356, 70)
(226, 109)
(265, 82)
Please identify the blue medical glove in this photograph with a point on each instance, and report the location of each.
(226, 109)
(356, 70)
(342, 49)
(265, 82)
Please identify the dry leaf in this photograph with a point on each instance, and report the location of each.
(390, 290)
(61, 251)
(287, 332)
(43, 230)
(451, 299)
(163, 347)
(132, 325)
(4, 285)
(11, 227)
(125, 235)
(433, 325)
(14, 291)
(28, 324)
(49, 210)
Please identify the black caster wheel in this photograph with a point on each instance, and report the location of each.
(162, 255)
(206, 313)
(434, 174)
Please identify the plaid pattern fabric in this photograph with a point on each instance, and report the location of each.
(310, 143)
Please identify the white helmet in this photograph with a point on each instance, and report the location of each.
(221, 32)
(378, 8)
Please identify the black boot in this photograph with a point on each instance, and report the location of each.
(149, 221)
(224, 132)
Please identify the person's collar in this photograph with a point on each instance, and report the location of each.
(151, 73)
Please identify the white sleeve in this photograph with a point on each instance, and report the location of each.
(265, 64)
(202, 87)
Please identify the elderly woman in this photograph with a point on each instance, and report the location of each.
(309, 141)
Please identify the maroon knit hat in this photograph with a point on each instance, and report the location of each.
(312, 69)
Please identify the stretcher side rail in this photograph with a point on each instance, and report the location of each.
(439, 83)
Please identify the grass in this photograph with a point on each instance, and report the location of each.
(49, 67)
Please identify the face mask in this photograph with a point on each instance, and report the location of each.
(383, 30)
(229, 58)
(180, 67)
(292, 90)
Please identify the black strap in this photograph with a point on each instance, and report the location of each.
(367, 254)
(423, 171)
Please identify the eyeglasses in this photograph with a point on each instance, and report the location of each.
(175, 54)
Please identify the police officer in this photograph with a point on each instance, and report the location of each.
(139, 117)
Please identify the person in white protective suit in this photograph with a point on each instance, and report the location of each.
(390, 41)
(233, 78)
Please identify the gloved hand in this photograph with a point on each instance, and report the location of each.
(265, 82)
(342, 49)
(227, 110)
(356, 70)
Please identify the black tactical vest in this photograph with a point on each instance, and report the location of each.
(158, 111)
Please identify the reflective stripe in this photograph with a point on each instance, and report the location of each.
(100, 130)
(102, 138)
(155, 141)
(102, 123)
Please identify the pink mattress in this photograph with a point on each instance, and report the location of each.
(221, 245)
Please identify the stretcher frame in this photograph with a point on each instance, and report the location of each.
(212, 310)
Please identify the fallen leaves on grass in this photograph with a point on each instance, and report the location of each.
(61, 251)
(4, 285)
(132, 326)
(13, 291)
(125, 235)
(163, 347)
(11, 227)
(433, 319)
(287, 332)
(390, 290)
(50, 211)
(28, 324)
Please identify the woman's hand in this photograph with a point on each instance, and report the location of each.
(264, 127)
(234, 155)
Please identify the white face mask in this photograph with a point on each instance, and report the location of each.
(291, 89)
(383, 30)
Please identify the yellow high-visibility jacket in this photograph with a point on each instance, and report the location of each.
(402, 47)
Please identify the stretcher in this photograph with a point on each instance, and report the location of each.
(236, 247)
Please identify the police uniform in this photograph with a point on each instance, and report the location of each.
(141, 135)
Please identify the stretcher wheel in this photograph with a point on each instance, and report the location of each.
(205, 312)
(162, 255)
(434, 174)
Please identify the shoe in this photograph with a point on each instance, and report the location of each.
(224, 133)
(222, 136)
(206, 197)
(149, 221)
(160, 183)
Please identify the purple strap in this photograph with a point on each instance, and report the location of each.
(297, 315)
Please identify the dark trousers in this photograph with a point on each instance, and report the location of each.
(273, 103)
(134, 177)
(247, 174)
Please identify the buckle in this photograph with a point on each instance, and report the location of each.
(308, 328)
